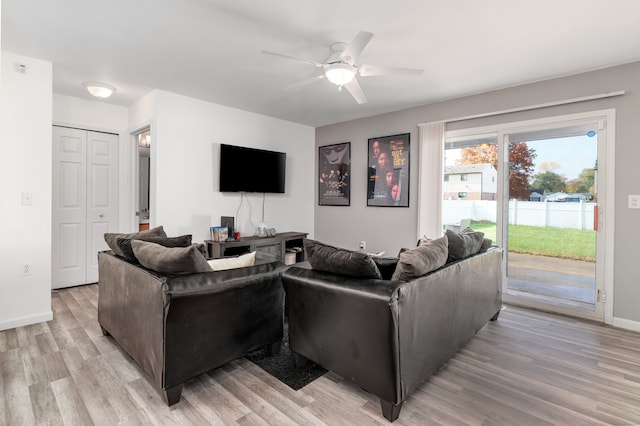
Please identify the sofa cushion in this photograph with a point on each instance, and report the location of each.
(386, 266)
(124, 244)
(233, 262)
(336, 260)
(111, 238)
(464, 244)
(170, 260)
(486, 245)
(428, 256)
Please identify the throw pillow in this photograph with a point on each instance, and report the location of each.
(233, 262)
(340, 261)
(428, 256)
(170, 260)
(464, 244)
(111, 238)
(124, 244)
(486, 245)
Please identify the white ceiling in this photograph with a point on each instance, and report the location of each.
(210, 49)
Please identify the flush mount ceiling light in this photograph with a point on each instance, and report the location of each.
(99, 90)
(340, 73)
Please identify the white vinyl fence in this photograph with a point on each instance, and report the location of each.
(533, 213)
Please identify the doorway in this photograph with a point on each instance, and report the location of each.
(551, 237)
(143, 213)
(545, 208)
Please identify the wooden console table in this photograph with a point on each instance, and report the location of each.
(267, 249)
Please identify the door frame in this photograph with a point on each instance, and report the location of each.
(606, 195)
(133, 184)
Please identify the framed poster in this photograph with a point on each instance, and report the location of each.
(388, 167)
(334, 170)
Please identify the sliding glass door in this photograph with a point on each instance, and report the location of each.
(534, 189)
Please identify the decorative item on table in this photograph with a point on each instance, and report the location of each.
(219, 233)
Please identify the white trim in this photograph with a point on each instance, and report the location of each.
(626, 324)
(609, 213)
(87, 127)
(28, 320)
(558, 121)
(539, 106)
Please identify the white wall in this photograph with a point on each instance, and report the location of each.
(25, 166)
(89, 114)
(186, 134)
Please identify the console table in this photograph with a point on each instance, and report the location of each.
(267, 249)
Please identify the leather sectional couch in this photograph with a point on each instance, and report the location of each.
(388, 335)
(177, 326)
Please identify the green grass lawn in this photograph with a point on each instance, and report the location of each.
(567, 243)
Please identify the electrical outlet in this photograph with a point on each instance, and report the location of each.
(363, 245)
(26, 268)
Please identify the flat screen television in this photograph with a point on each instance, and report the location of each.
(251, 170)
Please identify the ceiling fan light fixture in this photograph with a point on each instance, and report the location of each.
(99, 90)
(340, 73)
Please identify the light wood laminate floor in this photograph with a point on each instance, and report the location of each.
(528, 368)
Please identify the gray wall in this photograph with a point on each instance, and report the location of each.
(389, 229)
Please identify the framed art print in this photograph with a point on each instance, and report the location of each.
(388, 171)
(334, 170)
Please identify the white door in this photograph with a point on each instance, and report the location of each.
(85, 202)
(102, 196)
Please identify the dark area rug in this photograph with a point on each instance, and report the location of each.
(283, 367)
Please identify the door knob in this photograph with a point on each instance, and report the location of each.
(100, 215)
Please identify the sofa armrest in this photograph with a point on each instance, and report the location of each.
(440, 312)
(131, 310)
(212, 318)
(218, 281)
(347, 325)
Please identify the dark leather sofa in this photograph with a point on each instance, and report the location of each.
(389, 336)
(176, 327)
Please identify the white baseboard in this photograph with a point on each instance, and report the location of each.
(22, 321)
(626, 324)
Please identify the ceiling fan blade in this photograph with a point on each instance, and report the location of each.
(369, 70)
(305, 82)
(357, 45)
(306, 61)
(354, 88)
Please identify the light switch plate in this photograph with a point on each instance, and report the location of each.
(634, 202)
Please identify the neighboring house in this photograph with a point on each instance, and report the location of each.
(563, 197)
(536, 196)
(470, 182)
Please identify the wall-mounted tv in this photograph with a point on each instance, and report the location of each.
(251, 170)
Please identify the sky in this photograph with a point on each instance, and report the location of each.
(572, 154)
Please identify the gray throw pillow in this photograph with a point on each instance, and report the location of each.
(486, 245)
(124, 244)
(428, 256)
(111, 238)
(170, 260)
(327, 258)
(464, 244)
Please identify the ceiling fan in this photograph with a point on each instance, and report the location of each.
(341, 67)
